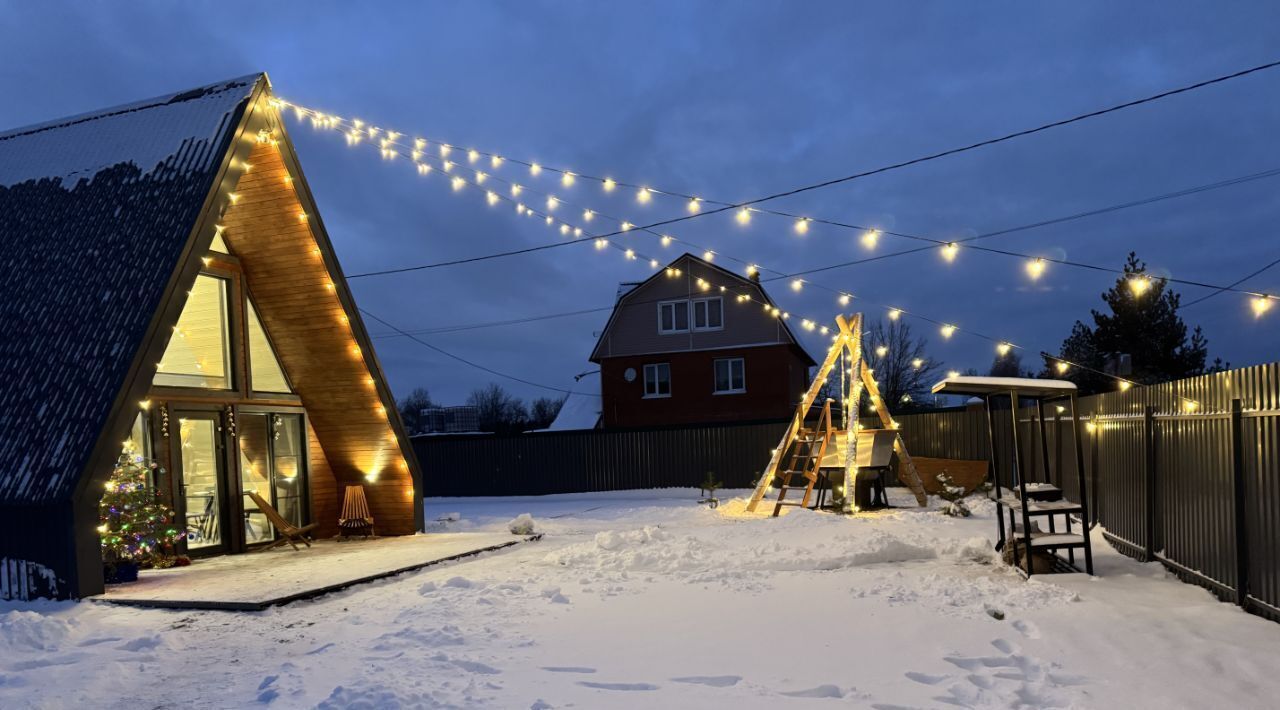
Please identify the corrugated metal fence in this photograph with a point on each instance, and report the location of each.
(1197, 489)
(601, 460)
(1186, 472)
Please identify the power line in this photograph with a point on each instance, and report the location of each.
(467, 362)
(569, 177)
(1237, 282)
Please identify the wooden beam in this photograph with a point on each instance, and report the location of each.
(907, 472)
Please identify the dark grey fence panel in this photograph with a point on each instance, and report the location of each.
(1261, 442)
(594, 460)
(1195, 522)
(1121, 460)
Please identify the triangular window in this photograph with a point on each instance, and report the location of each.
(265, 373)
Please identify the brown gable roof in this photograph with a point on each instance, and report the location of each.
(724, 276)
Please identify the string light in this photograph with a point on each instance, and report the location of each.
(534, 169)
(566, 179)
(587, 215)
(752, 270)
(1062, 367)
(609, 184)
(797, 284)
(949, 251)
(516, 189)
(1261, 304)
(894, 314)
(744, 215)
(802, 225)
(1125, 385)
(917, 363)
(695, 205)
(952, 374)
(882, 350)
(552, 203)
(1139, 285)
(495, 161)
(1036, 268)
(473, 155)
(1003, 349)
(947, 330)
(458, 182)
(844, 299)
(708, 255)
(870, 237)
(492, 197)
(643, 195)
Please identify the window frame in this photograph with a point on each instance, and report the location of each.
(715, 375)
(229, 292)
(705, 303)
(654, 367)
(675, 329)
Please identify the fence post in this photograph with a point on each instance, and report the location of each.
(1241, 502)
(1149, 486)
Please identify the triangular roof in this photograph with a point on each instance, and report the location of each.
(95, 215)
(103, 220)
(726, 277)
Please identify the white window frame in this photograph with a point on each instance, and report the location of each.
(675, 329)
(651, 375)
(693, 312)
(715, 376)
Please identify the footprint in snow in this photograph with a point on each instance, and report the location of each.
(715, 681)
(926, 678)
(618, 686)
(821, 691)
(568, 669)
(1026, 628)
(1004, 646)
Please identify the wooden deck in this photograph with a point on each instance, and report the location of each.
(257, 580)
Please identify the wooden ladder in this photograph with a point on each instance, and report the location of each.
(806, 460)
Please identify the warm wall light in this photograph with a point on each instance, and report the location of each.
(1062, 367)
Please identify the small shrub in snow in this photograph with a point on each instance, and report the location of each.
(954, 496)
(522, 525)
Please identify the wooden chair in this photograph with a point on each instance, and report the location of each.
(355, 518)
(289, 533)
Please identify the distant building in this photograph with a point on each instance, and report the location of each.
(450, 420)
(697, 343)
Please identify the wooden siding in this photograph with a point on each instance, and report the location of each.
(633, 329)
(289, 276)
(323, 486)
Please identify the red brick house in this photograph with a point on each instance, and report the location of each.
(696, 343)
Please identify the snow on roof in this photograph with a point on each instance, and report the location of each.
(581, 409)
(145, 133)
(970, 384)
(95, 213)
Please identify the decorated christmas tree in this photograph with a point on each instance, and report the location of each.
(137, 527)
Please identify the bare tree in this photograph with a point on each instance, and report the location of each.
(902, 370)
(544, 411)
(498, 410)
(411, 407)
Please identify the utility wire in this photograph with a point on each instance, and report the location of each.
(1237, 282)
(470, 363)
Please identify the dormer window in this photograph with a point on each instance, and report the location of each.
(705, 313)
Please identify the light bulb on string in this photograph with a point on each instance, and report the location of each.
(948, 330)
(516, 189)
(552, 202)
(566, 179)
(917, 363)
(534, 169)
(844, 299)
(495, 161)
(744, 215)
(1139, 285)
(882, 350)
(492, 197)
(643, 195)
(666, 240)
(1003, 349)
(1035, 268)
(708, 255)
(587, 215)
(1062, 367)
(802, 225)
(473, 155)
(797, 284)
(895, 313)
(459, 183)
(752, 269)
(695, 205)
(870, 237)
(949, 251)
(608, 184)
(1260, 305)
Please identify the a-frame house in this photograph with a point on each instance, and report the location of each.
(167, 284)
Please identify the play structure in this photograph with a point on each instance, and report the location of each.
(811, 452)
(1030, 511)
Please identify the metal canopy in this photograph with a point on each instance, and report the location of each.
(1025, 387)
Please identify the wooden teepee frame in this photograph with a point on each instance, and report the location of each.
(848, 340)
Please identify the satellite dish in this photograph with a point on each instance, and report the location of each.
(630, 374)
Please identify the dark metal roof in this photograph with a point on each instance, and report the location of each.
(95, 212)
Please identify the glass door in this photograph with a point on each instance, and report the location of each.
(201, 480)
(272, 468)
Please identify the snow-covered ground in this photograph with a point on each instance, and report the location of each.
(646, 600)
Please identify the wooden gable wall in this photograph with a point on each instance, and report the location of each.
(291, 278)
